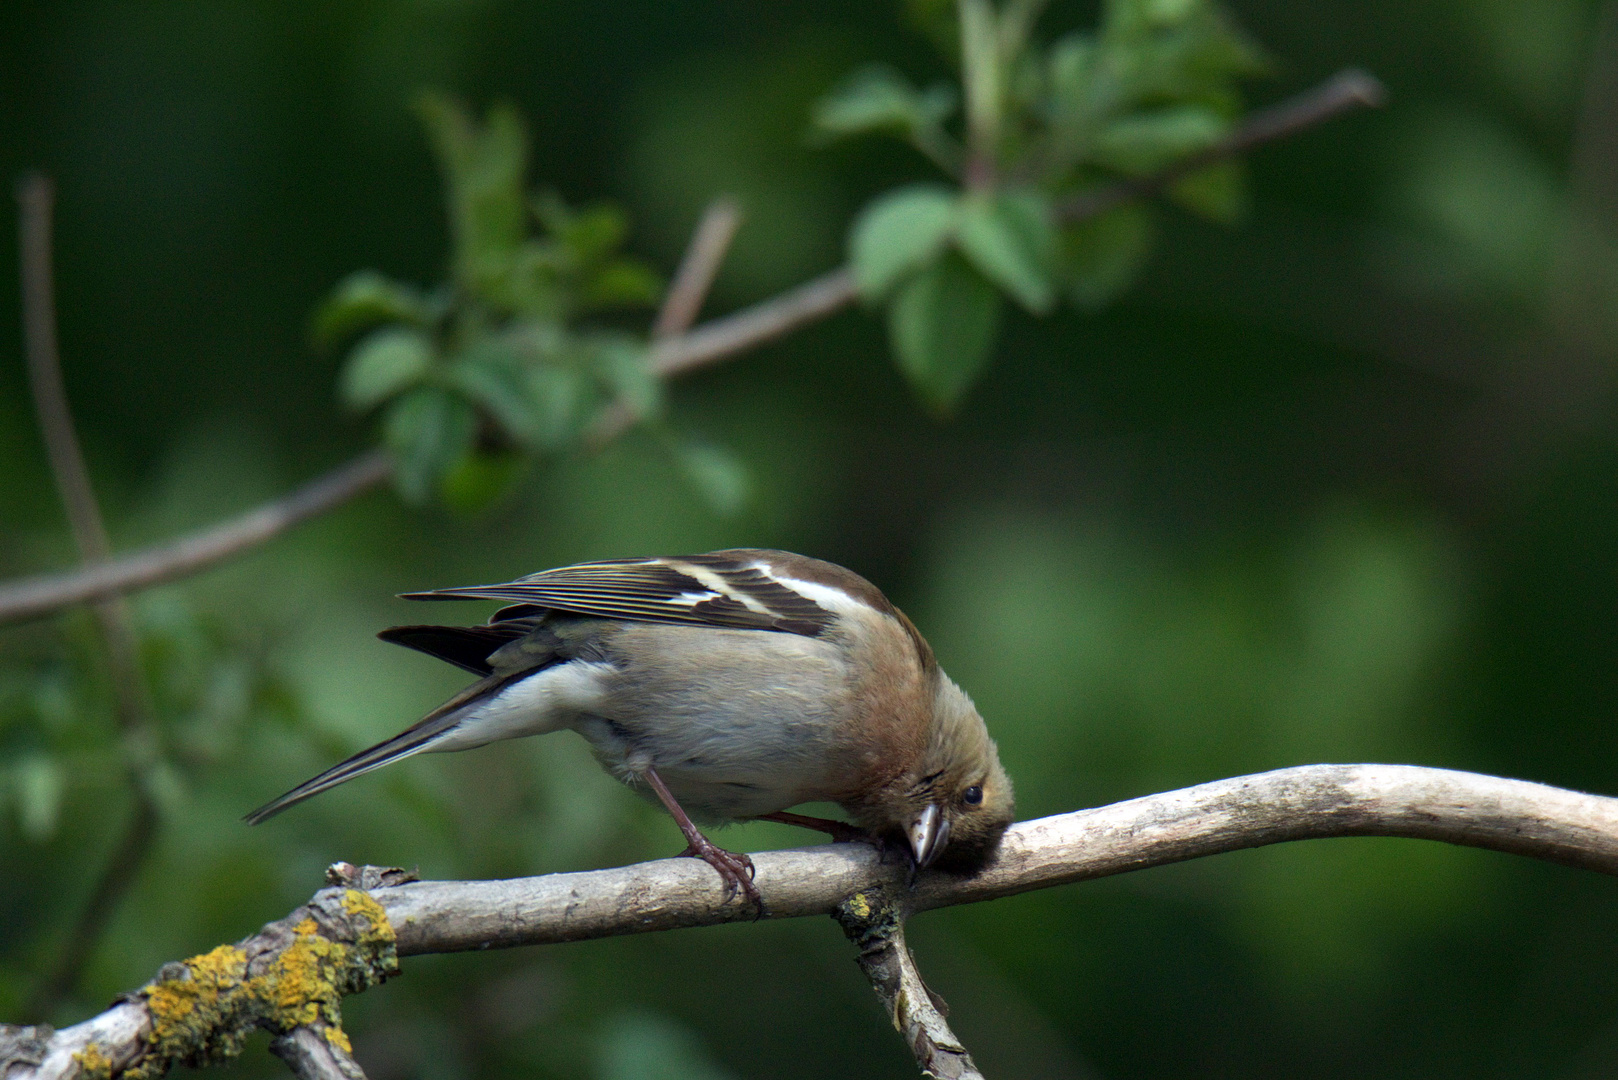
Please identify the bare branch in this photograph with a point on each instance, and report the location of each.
(721, 339)
(317, 1052)
(32, 597)
(136, 716)
(1307, 802)
(36, 199)
(1344, 92)
(700, 264)
(875, 923)
(704, 254)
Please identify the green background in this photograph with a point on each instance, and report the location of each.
(1337, 485)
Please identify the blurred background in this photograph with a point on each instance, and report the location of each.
(1338, 484)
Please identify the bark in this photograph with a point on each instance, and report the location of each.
(1306, 802)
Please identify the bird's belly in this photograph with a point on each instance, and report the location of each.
(730, 742)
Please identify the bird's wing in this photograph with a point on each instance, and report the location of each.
(738, 589)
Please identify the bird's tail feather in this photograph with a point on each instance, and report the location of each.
(413, 740)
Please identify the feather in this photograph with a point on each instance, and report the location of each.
(467, 647)
(413, 740)
(735, 589)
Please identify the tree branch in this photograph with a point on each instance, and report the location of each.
(765, 321)
(1344, 92)
(875, 923)
(717, 340)
(30, 598)
(704, 254)
(698, 268)
(137, 718)
(1307, 802)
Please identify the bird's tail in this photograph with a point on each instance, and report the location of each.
(413, 740)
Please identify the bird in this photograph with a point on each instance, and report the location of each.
(727, 686)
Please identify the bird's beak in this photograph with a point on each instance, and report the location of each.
(927, 835)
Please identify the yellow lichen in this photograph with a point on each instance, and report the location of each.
(93, 1064)
(205, 1012)
(339, 1038)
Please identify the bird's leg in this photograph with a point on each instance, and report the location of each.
(733, 867)
(841, 832)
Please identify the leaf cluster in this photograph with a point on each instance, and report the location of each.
(1039, 124)
(208, 679)
(471, 377)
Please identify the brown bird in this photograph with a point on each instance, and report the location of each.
(729, 686)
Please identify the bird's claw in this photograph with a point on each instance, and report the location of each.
(734, 869)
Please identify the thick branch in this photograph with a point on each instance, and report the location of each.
(1307, 802)
(1344, 92)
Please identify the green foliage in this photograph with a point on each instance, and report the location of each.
(59, 737)
(899, 234)
(494, 365)
(1154, 85)
(943, 323)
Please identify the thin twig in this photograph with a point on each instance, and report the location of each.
(1344, 92)
(763, 322)
(704, 254)
(714, 341)
(30, 598)
(136, 716)
(698, 267)
(1306, 802)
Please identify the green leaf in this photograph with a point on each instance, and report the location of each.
(719, 475)
(622, 365)
(362, 300)
(1102, 256)
(898, 234)
(483, 167)
(1218, 192)
(621, 283)
(388, 361)
(39, 782)
(943, 325)
(429, 430)
(1145, 142)
(878, 98)
(1010, 239)
(587, 235)
(559, 396)
(478, 480)
(490, 374)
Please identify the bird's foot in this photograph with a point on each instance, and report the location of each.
(733, 867)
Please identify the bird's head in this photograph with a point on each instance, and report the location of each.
(953, 807)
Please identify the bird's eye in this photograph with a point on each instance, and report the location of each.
(973, 795)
